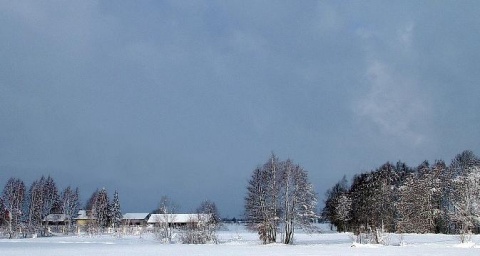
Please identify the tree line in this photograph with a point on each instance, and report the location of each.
(429, 198)
(279, 199)
(24, 210)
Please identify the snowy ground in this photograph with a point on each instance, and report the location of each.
(235, 240)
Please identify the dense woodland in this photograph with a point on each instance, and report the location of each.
(429, 198)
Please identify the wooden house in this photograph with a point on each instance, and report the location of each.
(84, 219)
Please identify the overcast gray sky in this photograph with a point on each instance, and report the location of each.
(186, 98)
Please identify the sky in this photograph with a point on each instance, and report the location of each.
(187, 98)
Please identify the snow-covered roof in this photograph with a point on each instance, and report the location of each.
(178, 218)
(135, 216)
(82, 215)
(56, 217)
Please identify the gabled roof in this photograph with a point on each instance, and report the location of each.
(135, 216)
(179, 218)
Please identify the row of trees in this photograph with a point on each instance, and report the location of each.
(396, 198)
(279, 199)
(24, 211)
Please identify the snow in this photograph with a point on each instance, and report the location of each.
(236, 240)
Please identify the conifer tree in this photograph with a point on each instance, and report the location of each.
(115, 211)
(102, 208)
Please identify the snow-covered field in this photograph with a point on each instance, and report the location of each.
(235, 240)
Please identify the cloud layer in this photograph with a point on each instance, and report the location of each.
(186, 99)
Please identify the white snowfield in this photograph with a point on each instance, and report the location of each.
(235, 240)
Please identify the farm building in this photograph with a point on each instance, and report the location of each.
(84, 219)
(178, 219)
(135, 219)
(56, 220)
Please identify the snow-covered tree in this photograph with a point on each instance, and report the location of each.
(279, 193)
(262, 200)
(3, 215)
(163, 229)
(197, 231)
(51, 198)
(102, 212)
(361, 192)
(70, 203)
(91, 211)
(115, 211)
(384, 182)
(420, 199)
(373, 199)
(202, 228)
(465, 210)
(342, 210)
(298, 200)
(414, 207)
(13, 198)
(457, 182)
(34, 207)
(98, 210)
(209, 207)
(338, 205)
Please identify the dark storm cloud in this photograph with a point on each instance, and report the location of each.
(185, 98)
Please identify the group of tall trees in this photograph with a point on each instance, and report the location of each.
(396, 198)
(23, 210)
(102, 211)
(279, 199)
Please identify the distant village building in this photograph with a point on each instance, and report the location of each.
(84, 219)
(176, 220)
(135, 219)
(56, 222)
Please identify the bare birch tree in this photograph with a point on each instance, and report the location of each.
(298, 200)
(34, 204)
(165, 224)
(261, 202)
(279, 193)
(13, 199)
(70, 202)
